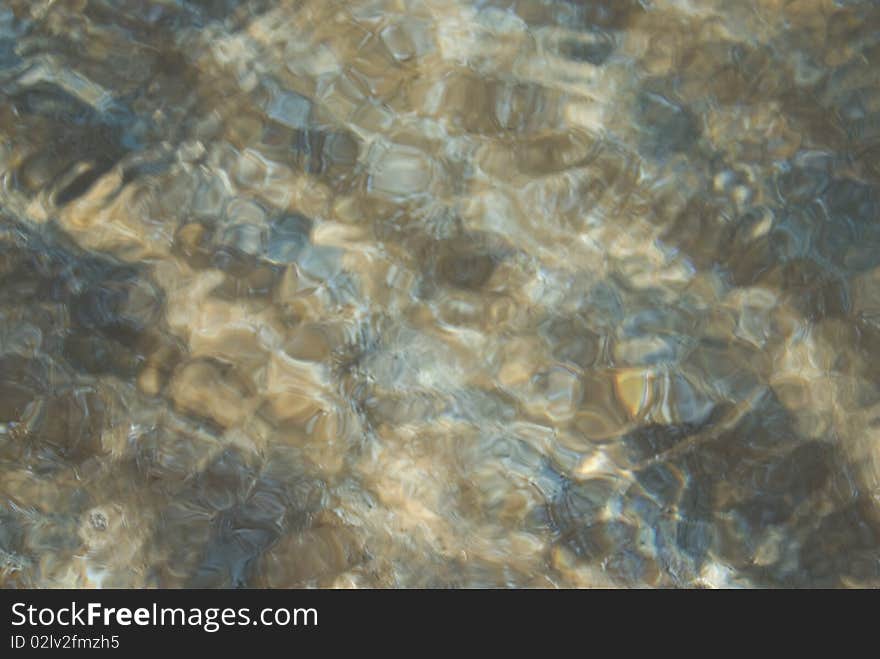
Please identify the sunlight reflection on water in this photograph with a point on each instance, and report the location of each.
(432, 293)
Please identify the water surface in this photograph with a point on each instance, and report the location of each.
(439, 293)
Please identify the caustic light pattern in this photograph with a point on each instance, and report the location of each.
(439, 293)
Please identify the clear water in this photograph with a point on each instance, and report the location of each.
(406, 293)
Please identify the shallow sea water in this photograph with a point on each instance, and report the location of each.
(439, 293)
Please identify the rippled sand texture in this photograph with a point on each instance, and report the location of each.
(439, 293)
